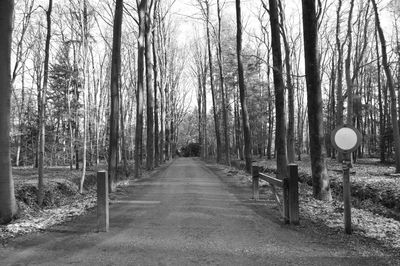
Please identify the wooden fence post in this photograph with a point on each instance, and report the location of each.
(255, 173)
(102, 202)
(293, 193)
(285, 206)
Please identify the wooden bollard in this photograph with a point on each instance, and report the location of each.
(285, 206)
(293, 193)
(102, 202)
(255, 174)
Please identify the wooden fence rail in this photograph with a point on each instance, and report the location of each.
(289, 206)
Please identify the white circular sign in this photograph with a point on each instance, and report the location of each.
(346, 138)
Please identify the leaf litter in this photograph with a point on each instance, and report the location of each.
(366, 220)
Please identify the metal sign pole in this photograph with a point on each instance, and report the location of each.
(346, 193)
(346, 139)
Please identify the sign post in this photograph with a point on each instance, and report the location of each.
(346, 139)
(102, 202)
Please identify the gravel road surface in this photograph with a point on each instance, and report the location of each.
(185, 213)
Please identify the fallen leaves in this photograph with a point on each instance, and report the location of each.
(374, 190)
(42, 219)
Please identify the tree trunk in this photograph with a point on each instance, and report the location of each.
(42, 115)
(223, 94)
(390, 83)
(85, 89)
(115, 95)
(204, 115)
(320, 178)
(349, 82)
(210, 62)
(140, 89)
(71, 134)
(280, 133)
(339, 90)
(167, 122)
(123, 144)
(242, 90)
(199, 110)
(149, 93)
(155, 87)
(382, 118)
(162, 123)
(239, 142)
(289, 85)
(8, 207)
(157, 159)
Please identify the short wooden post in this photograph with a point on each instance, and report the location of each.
(285, 189)
(102, 202)
(293, 193)
(346, 193)
(255, 172)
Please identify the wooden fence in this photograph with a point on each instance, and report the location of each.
(289, 205)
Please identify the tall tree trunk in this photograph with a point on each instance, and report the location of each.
(71, 132)
(332, 105)
(382, 118)
(161, 47)
(21, 111)
(210, 62)
(390, 83)
(149, 93)
(339, 90)
(85, 89)
(199, 109)
(280, 133)
(167, 121)
(123, 144)
(238, 128)
(242, 90)
(289, 85)
(157, 159)
(8, 207)
(42, 115)
(349, 82)
(155, 88)
(115, 94)
(223, 94)
(320, 178)
(140, 88)
(162, 123)
(204, 87)
(270, 110)
(76, 128)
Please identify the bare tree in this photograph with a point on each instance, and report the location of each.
(289, 86)
(205, 9)
(115, 92)
(242, 89)
(157, 150)
(142, 5)
(42, 114)
(8, 207)
(85, 87)
(389, 77)
(320, 178)
(222, 86)
(280, 133)
(149, 90)
(21, 51)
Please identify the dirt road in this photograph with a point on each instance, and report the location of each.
(184, 214)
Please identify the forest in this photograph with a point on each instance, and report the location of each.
(127, 86)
